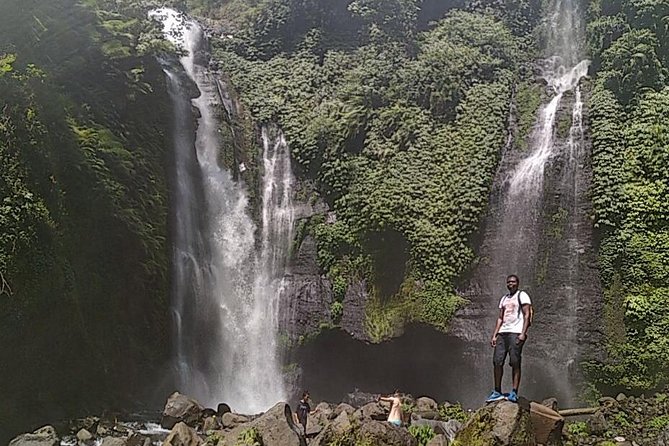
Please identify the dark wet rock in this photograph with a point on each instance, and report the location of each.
(181, 408)
(182, 435)
(44, 436)
(499, 424)
(222, 408)
(306, 298)
(353, 318)
(386, 434)
(88, 423)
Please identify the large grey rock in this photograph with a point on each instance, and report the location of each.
(276, 427)
(381, 433)
(230, 420)
(181, 408)
(425, 404)
(448, 429)
(113, 441)
(438, 440)
(597, 423)
(182, 435)
(371, 411)
(84, 435)
(499, 424)
(333, 431)
(344, 407)
(44, 436)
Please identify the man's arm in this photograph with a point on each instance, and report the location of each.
(526, 322)
(498, 325)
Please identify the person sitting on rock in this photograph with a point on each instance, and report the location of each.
(395, 415)
(509, 337)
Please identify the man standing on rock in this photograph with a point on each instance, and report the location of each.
(509, 337)
(303, 411)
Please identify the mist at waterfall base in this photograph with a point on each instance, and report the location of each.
(226, 271)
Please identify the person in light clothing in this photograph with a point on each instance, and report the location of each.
(395, 416)
(515, 317)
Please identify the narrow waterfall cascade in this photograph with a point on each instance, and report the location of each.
(226, 271)
(538, 227)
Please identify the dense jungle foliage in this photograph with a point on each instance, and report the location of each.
(398, 123)
(629, 42)
(83, 212)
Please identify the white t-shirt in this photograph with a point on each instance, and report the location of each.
(513, 316)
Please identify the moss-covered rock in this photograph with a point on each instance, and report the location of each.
(498, 424)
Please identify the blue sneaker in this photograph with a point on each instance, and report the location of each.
(513, 397)
(494, 396)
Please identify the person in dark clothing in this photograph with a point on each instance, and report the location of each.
(303, 411)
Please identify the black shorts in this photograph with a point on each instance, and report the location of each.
(507, 343)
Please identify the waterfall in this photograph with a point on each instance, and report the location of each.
(538, 227)
(226, 271)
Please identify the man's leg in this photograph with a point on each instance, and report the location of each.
(515, 360)
(499, 357)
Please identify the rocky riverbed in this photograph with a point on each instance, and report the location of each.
(360, 421)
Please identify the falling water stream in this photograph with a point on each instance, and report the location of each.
(227, 272)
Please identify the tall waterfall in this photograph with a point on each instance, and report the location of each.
(538, 227)
(226, 271)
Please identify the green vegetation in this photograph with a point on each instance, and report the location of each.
(422, 433)
(249, 437)
(83, 207)
(454, 412)
(399, 130)
(630, 124)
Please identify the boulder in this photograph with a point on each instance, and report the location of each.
(210, 424)
(180, 408)
(44, 436)
(381, 433)
(222, 408)
(113, 441)
(597, 423)
(448, 429)
(371, 411)
(547, 424)
(324, 410)
(343, 407)
(138, 440)
(182, 435)
(438, 440)
(230, 420)
(499, 424)
(426, 404)
(276, 427)
(84, 435)
(88, 423)
(552, 403)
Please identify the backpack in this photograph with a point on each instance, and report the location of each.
(520, 310)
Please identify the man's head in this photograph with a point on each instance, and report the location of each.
(512, 282)
(397, 393)
(305, 395)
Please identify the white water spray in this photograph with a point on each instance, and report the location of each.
(225, 290)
